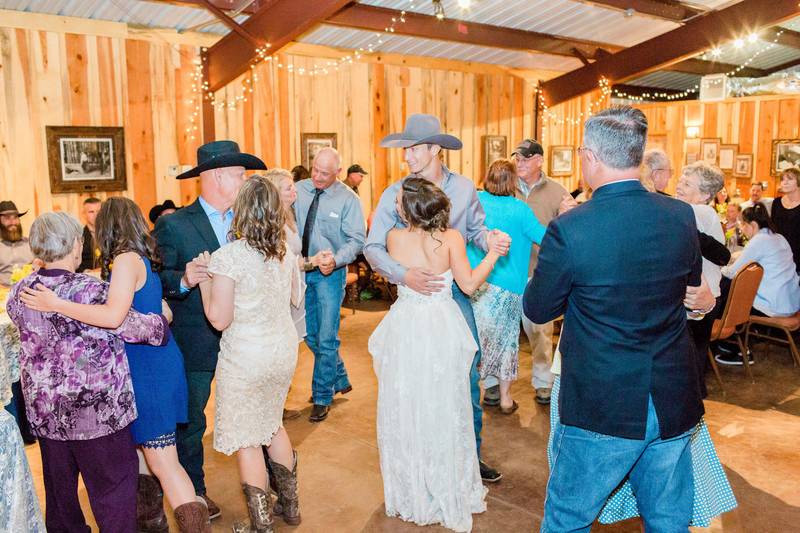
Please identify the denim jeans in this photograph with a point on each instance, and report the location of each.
(190, 435)
(474, 376)
(588, 466)
(324, 296)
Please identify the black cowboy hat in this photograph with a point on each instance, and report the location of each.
(157, 209)
(7, 207)
(221, 154)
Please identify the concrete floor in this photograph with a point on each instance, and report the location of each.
(755, 427)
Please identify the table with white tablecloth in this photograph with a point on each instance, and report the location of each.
(19, 506)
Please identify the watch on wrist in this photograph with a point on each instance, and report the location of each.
(308, 266)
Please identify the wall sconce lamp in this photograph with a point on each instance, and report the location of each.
(692, 132)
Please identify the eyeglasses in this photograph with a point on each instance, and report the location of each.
(582, 149)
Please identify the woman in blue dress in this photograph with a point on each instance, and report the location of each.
(159, 381)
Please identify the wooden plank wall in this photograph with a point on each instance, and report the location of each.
(752, 123)
(365, 101)
(56, 78)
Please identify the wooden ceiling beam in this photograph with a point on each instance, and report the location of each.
(416, 25)
(784, 66)
(672, 11)
(230, 23)
(671, 47)
(277, 23)
(789, 38)
(225, 5)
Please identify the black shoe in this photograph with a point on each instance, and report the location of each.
(489, 474)
(319, 413)
(340, 391)
(290, 414)
(491, 396)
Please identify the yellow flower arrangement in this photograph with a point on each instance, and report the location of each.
(21, 272)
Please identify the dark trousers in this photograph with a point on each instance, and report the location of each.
(17, 409)
(190, 435)
(109, 468)
(701, 335)
(474, 374)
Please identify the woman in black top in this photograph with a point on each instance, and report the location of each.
(786, 211)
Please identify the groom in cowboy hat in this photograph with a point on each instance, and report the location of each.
(201, 227)
(422, 142)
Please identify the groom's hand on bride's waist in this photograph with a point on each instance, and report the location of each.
(423, 281)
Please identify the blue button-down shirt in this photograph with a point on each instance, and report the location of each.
(220, 222)
(339, 225)
(466, 216)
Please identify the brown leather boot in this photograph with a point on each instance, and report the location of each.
(258, 507)
(288, 504)
(150, 517)
(192, 517)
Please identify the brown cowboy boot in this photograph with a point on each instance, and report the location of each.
(150, 517)
(192, 517)
(288, 504)
(258, 507)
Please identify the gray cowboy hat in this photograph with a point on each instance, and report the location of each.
(421, 129)
(7, 207)
(221, 154)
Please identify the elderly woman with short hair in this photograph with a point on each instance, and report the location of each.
(698, 185)
(78, 392)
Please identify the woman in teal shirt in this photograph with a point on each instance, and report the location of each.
(498, 303)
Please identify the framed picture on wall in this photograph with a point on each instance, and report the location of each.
(494, 148)
(311, 143)
(85, 158)
(727, 156)
(709, 150)
(743, 167)
(561, 160)
(785, 154)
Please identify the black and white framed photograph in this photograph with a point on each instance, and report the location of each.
(785, 155)
(312, 143)
(86, 158)
(709, 150)
(727, 156)
(494, 148)
(561, 160)
(743, 167)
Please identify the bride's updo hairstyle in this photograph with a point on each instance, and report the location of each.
(259, 217)
(424, 205)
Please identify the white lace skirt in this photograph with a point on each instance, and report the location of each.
(422, 351)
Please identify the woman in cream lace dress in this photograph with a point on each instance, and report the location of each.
(248, 298)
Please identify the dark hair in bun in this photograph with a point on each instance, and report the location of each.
(758, 213)
(425, 205)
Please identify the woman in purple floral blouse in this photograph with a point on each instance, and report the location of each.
(77, 385)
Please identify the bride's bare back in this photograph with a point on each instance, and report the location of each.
(438, 252)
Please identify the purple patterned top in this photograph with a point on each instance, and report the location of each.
(75, 377)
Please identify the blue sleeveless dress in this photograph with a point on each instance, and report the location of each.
(159, 380)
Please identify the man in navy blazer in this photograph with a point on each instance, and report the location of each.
(617, 268)
(200, 227)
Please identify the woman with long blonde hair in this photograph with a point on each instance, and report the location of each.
(253, 281)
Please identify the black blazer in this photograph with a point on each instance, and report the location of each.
(618, 267)
(181, 237)
(89, 258)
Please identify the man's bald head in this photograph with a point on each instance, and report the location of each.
(326, 168)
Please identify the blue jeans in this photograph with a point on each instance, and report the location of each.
(474, 376)
(588, 466)
(190, 435)
(324, 296)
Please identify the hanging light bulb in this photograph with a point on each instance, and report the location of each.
(438, 9)
(464, 4)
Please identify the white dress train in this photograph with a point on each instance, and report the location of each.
(422, 352)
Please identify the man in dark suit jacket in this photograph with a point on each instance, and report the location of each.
(201, 227)
(618, 268)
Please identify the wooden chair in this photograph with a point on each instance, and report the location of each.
(736, 314)
(788, 325)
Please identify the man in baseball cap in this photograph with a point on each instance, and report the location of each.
(355, 175)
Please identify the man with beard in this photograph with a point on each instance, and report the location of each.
(14, 248)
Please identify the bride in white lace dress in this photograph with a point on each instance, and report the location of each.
(422, 351)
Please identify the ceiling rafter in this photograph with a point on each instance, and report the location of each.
(672, 11)
(671, 47)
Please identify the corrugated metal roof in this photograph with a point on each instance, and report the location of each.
(355, 39)
(567, 18)
(678, 81)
